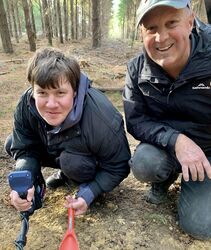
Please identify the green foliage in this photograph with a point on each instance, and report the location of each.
(122, 10)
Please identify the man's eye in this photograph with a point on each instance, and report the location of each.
(172, 23)
(151, 29)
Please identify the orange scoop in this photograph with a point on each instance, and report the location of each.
(70, 241)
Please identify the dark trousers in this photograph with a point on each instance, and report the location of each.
(151, 164)
(75, 166)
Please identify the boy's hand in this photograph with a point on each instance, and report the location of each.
(78, 204)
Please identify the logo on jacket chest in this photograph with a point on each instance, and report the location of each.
(202, 85)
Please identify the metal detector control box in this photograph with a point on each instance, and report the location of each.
(20, 181)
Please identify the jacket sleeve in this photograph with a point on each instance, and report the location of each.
(113, 154)
(107, 141)
(140, 123)
(25, 145)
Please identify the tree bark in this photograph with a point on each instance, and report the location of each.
(19, 20)
(32, 18)
(42, 17)
(208, 10)
(76, 19)
(9, 18)
(55, 18)
(13, 2)
(65, 21)
(4, 30)
(72, 19)
(96, 26)
(47, 21)
(60, 22)
(29, 30)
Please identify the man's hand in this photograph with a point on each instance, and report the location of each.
(78, 204)
(192, 159)
(22, 204)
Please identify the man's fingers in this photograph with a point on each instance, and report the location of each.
(193, 172)
(200, 171)
(185, 173)
(207, 168)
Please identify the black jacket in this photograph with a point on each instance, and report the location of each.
(158, 108)
(99, 134)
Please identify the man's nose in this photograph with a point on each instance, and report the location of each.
(161, 35)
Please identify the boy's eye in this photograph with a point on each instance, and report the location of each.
(41, 93)
(61, 92)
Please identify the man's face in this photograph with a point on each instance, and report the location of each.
(54, 104)
(165, 32)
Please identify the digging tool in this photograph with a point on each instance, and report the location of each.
(21, 181)
(70, 241)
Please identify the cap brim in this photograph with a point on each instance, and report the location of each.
(174, 4)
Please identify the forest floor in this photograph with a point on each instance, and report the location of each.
(119, 220)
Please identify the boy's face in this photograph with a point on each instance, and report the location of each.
(165, 31)
(54, 104)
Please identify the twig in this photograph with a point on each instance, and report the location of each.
(4, 73)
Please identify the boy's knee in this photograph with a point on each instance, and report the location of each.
(7, 145)
(149, 163)
(80, 168)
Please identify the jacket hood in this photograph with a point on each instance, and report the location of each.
(75, 114)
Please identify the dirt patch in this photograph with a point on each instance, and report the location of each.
(121, 219)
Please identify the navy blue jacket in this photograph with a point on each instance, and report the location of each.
(158, 108)
(99, 135)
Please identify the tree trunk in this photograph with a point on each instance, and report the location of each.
(9, 18)
(96, 29)
(19, 21)
(4, 30)
(55, 18)
(208, 10)
(199, 9)
(83, 19)
(90, 18)
(47, 21)
(72, 19)
(42, 17)
(76, 19)
(13, 2)
(65, 21)
(32, 18)
(29, 30)
(60, 22)
(50, 6)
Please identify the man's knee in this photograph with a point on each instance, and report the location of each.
(194, 208)
(7, 145)
(196, 225)
(150, 163)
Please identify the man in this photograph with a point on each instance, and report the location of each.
(167, 102)
(62, 122)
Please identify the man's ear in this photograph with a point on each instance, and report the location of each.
(191, 20)
(140, 32)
